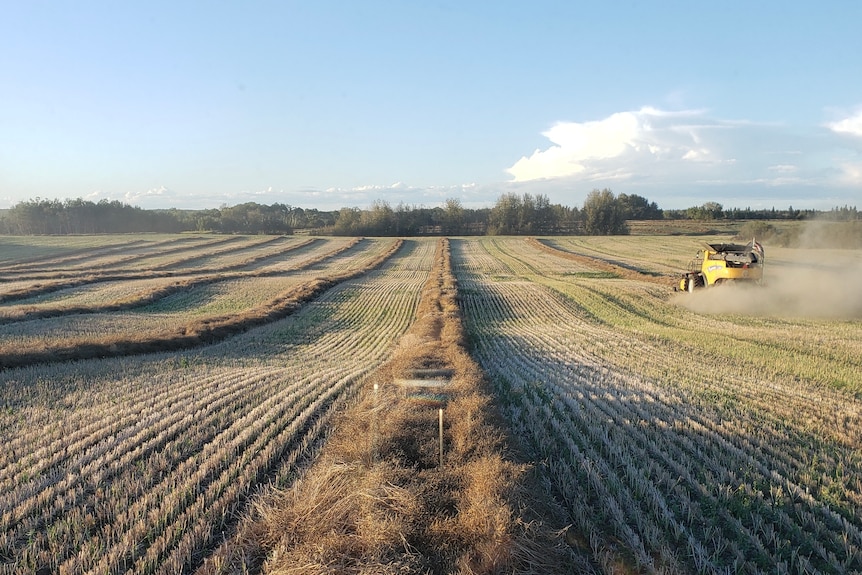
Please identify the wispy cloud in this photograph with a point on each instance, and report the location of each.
(334, 198)
(397, 193)
(849, 163)
(851, 173)
(155, 196)
(161, 192)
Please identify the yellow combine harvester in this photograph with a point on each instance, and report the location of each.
(719, 263)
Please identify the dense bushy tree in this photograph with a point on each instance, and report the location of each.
(38, 216)
(382, 220)
(347, 222)
(604, 215)
(79, 216)
(250, 218)
(639, 208)
(526, 214)
(708, 211)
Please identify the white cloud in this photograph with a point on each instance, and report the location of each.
(470, 194)
(685, 158)
(649, 133)
(374, 187)
(576, 143)
(135, 198)
(851, 125)
(160, 192)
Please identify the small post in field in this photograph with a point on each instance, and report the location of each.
(441, 437)
(374, 427)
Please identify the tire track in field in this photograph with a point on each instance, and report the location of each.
(600, 264)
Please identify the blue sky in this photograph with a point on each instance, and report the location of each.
(329, 104)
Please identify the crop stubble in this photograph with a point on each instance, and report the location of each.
(678, 440)
(140, 464)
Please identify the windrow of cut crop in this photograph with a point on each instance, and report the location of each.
(177, 255)
(31, 286)
(62, 306)
(82, 262)
(662, 467)
(70, 257)
(193, 333)
(159, 456)
(236, 257)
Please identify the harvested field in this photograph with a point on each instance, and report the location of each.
(679, 441)
(140, 463)
(175, 404)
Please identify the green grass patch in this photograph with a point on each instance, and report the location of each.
(594, 275)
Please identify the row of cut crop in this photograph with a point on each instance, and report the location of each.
(52, 252)
(176, 255)
(22, 287)
(95, 294)
(81, 337)
(120, 258)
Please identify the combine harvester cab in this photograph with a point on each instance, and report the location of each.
(715, 264)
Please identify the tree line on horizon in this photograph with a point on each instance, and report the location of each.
(603, 213)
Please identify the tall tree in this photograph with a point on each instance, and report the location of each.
(503, 218)
(453, 217)
(603, 214)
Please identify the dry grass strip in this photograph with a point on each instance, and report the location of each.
(377, 501)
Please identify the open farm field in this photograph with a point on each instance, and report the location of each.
(140, 463)
(117, 312)
(153, 388)
(684, 433)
